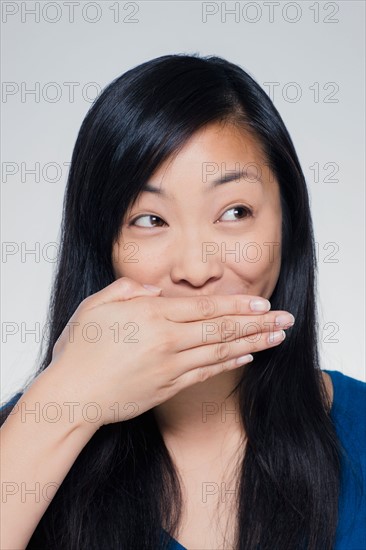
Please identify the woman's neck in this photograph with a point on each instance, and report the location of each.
(203, 414)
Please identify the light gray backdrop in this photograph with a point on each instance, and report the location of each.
(57, 56)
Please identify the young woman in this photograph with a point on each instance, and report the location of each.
(184, 177)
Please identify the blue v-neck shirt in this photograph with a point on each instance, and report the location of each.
(349, 415)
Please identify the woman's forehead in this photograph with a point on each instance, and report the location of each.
(215, 152)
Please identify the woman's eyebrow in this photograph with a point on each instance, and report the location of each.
(243, 174)
(231, 176)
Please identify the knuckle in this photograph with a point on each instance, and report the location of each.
(238, 306)
(227, 328)
(166, 384)
(256, 344)
(206, 306)
(222, 352)
(203, 374)
(125, 284)
(267, 320)
(252, 329)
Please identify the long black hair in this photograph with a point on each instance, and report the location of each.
(123, 487)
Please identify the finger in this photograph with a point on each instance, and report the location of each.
(121, 289)
(195, 308)
(205, 357)
(203, 373)
(226, 329)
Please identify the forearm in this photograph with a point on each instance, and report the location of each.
(36, 454)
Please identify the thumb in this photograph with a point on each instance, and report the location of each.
(152, 288)
(121, 289)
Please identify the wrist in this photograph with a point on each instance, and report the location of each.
(55, 400)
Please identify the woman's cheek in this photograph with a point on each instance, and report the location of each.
(132, 260)
(260, 264)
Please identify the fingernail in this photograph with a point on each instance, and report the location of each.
(285, 319)
(260, 305)
(276, 336)
(152, 288)
(244, 359)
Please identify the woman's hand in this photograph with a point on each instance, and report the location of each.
(127, 349)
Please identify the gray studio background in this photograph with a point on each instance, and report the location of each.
(311, 54)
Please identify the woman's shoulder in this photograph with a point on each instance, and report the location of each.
(346, 390)
(348, 404)
(349, 415)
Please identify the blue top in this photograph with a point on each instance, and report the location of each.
(349, 415)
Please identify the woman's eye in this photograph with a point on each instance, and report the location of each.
(240, 210)
(243, 211)
(133, 222)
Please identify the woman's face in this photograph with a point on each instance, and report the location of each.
(196, 238)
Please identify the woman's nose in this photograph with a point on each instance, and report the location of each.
(196, 262)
